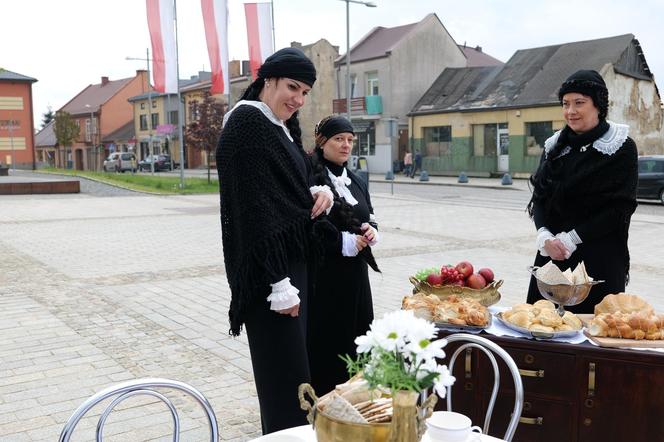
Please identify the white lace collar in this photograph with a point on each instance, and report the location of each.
(341, 184)
(265, 109)
(608, 144)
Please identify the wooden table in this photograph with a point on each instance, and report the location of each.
(305, 433)
(572, 392)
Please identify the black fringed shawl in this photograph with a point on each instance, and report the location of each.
(265, 209)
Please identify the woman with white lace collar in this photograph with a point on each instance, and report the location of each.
(341, 307)
(270, 217)
(584, 190)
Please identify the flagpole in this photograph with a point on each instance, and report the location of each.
(274, 44)
(180, 106)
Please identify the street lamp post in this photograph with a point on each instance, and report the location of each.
(348, 2)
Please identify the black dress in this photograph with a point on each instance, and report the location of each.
(594, 193)
(341, 307)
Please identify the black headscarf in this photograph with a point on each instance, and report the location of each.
(289, 63)
(331, 126)
(590, 84)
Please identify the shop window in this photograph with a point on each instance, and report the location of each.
(536, 134)
(437, 140)
(484, 139)
(365, 139)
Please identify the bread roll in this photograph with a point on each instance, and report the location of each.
(544, 304)
(572, 320)
(624, 303)
(520, 319)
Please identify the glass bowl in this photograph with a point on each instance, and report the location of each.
(562, 294)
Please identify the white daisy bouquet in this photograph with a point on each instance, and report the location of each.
(399, 353)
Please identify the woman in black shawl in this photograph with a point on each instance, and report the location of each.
(341, 308)
(268, 207)
(584, 191)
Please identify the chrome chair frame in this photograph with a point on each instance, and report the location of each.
(137, 387)
(483, 344)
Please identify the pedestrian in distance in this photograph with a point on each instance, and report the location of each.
(418, 163)
(584, 191)
(269, 215)
(341, 307)
(407, 162)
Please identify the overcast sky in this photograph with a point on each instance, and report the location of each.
(69, 44)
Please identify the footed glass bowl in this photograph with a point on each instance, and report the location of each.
(562, 294)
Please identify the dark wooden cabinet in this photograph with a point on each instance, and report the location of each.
(572, 392)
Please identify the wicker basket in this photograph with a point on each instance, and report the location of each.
(487, 296)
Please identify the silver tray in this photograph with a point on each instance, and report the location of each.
(535, 334)
(470, 328)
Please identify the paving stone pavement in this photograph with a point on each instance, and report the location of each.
(97, 290)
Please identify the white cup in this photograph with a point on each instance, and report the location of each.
(448, 426)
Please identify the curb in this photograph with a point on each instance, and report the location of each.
(433, 183)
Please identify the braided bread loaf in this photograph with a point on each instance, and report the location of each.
(635, 325)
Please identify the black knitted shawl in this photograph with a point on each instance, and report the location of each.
(265, 209)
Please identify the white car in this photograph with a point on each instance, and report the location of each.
(120, 161)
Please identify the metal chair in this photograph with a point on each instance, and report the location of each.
(134, 388)
(489, 348)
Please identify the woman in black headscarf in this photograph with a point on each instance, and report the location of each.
(584, 191)
(269, 208)
(341, 308)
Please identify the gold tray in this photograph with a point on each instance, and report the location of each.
(487, 296)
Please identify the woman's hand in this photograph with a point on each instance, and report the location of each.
(322, 202)
(556, 249)
(361, 242)
(370, 234)
(293, 311)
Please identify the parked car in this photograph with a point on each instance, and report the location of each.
(161, 162)
(120, 162)
(651, 178)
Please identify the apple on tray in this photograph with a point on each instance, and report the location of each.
(476, 281)
(488, 275)
(434, 279)
(465, 268)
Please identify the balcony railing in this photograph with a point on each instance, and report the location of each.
(369, 105)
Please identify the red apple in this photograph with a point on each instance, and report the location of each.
(465, 268)
(459, 282)
(434, 279)
(487, 274)
(476, 281)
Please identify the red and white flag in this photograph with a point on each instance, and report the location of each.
(259, 33)
(215, 21)
(161, 22)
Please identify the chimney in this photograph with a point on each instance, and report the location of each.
(234, 69)
(246, 68)
(296, 44)
(104, 81)
(478, 48)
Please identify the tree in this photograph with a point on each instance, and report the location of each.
(47, 117)
(66, 130)
(203, 133)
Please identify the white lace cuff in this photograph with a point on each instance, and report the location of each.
(327, 191)
(284, 295)
(348, 244)
(542, 235)
(575, 237)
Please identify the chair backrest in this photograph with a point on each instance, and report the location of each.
(134, 388)
(490, 348)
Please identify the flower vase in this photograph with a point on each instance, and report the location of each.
(404, 426)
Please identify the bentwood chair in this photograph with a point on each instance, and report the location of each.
(148, 387)
(490, 348)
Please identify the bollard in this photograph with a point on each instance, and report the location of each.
(424, 176)
(507, 180)
(462, 178)
(389, 175)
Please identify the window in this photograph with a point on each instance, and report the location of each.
(484, 139)
(365, 138)
(437, 140)
(154, 104)
(144, 122)
(536, 133)
(88, 130)
(173, 117)
(142, 105)
(372, 83)
(353, 85)
(155, 120)
(194, 113)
